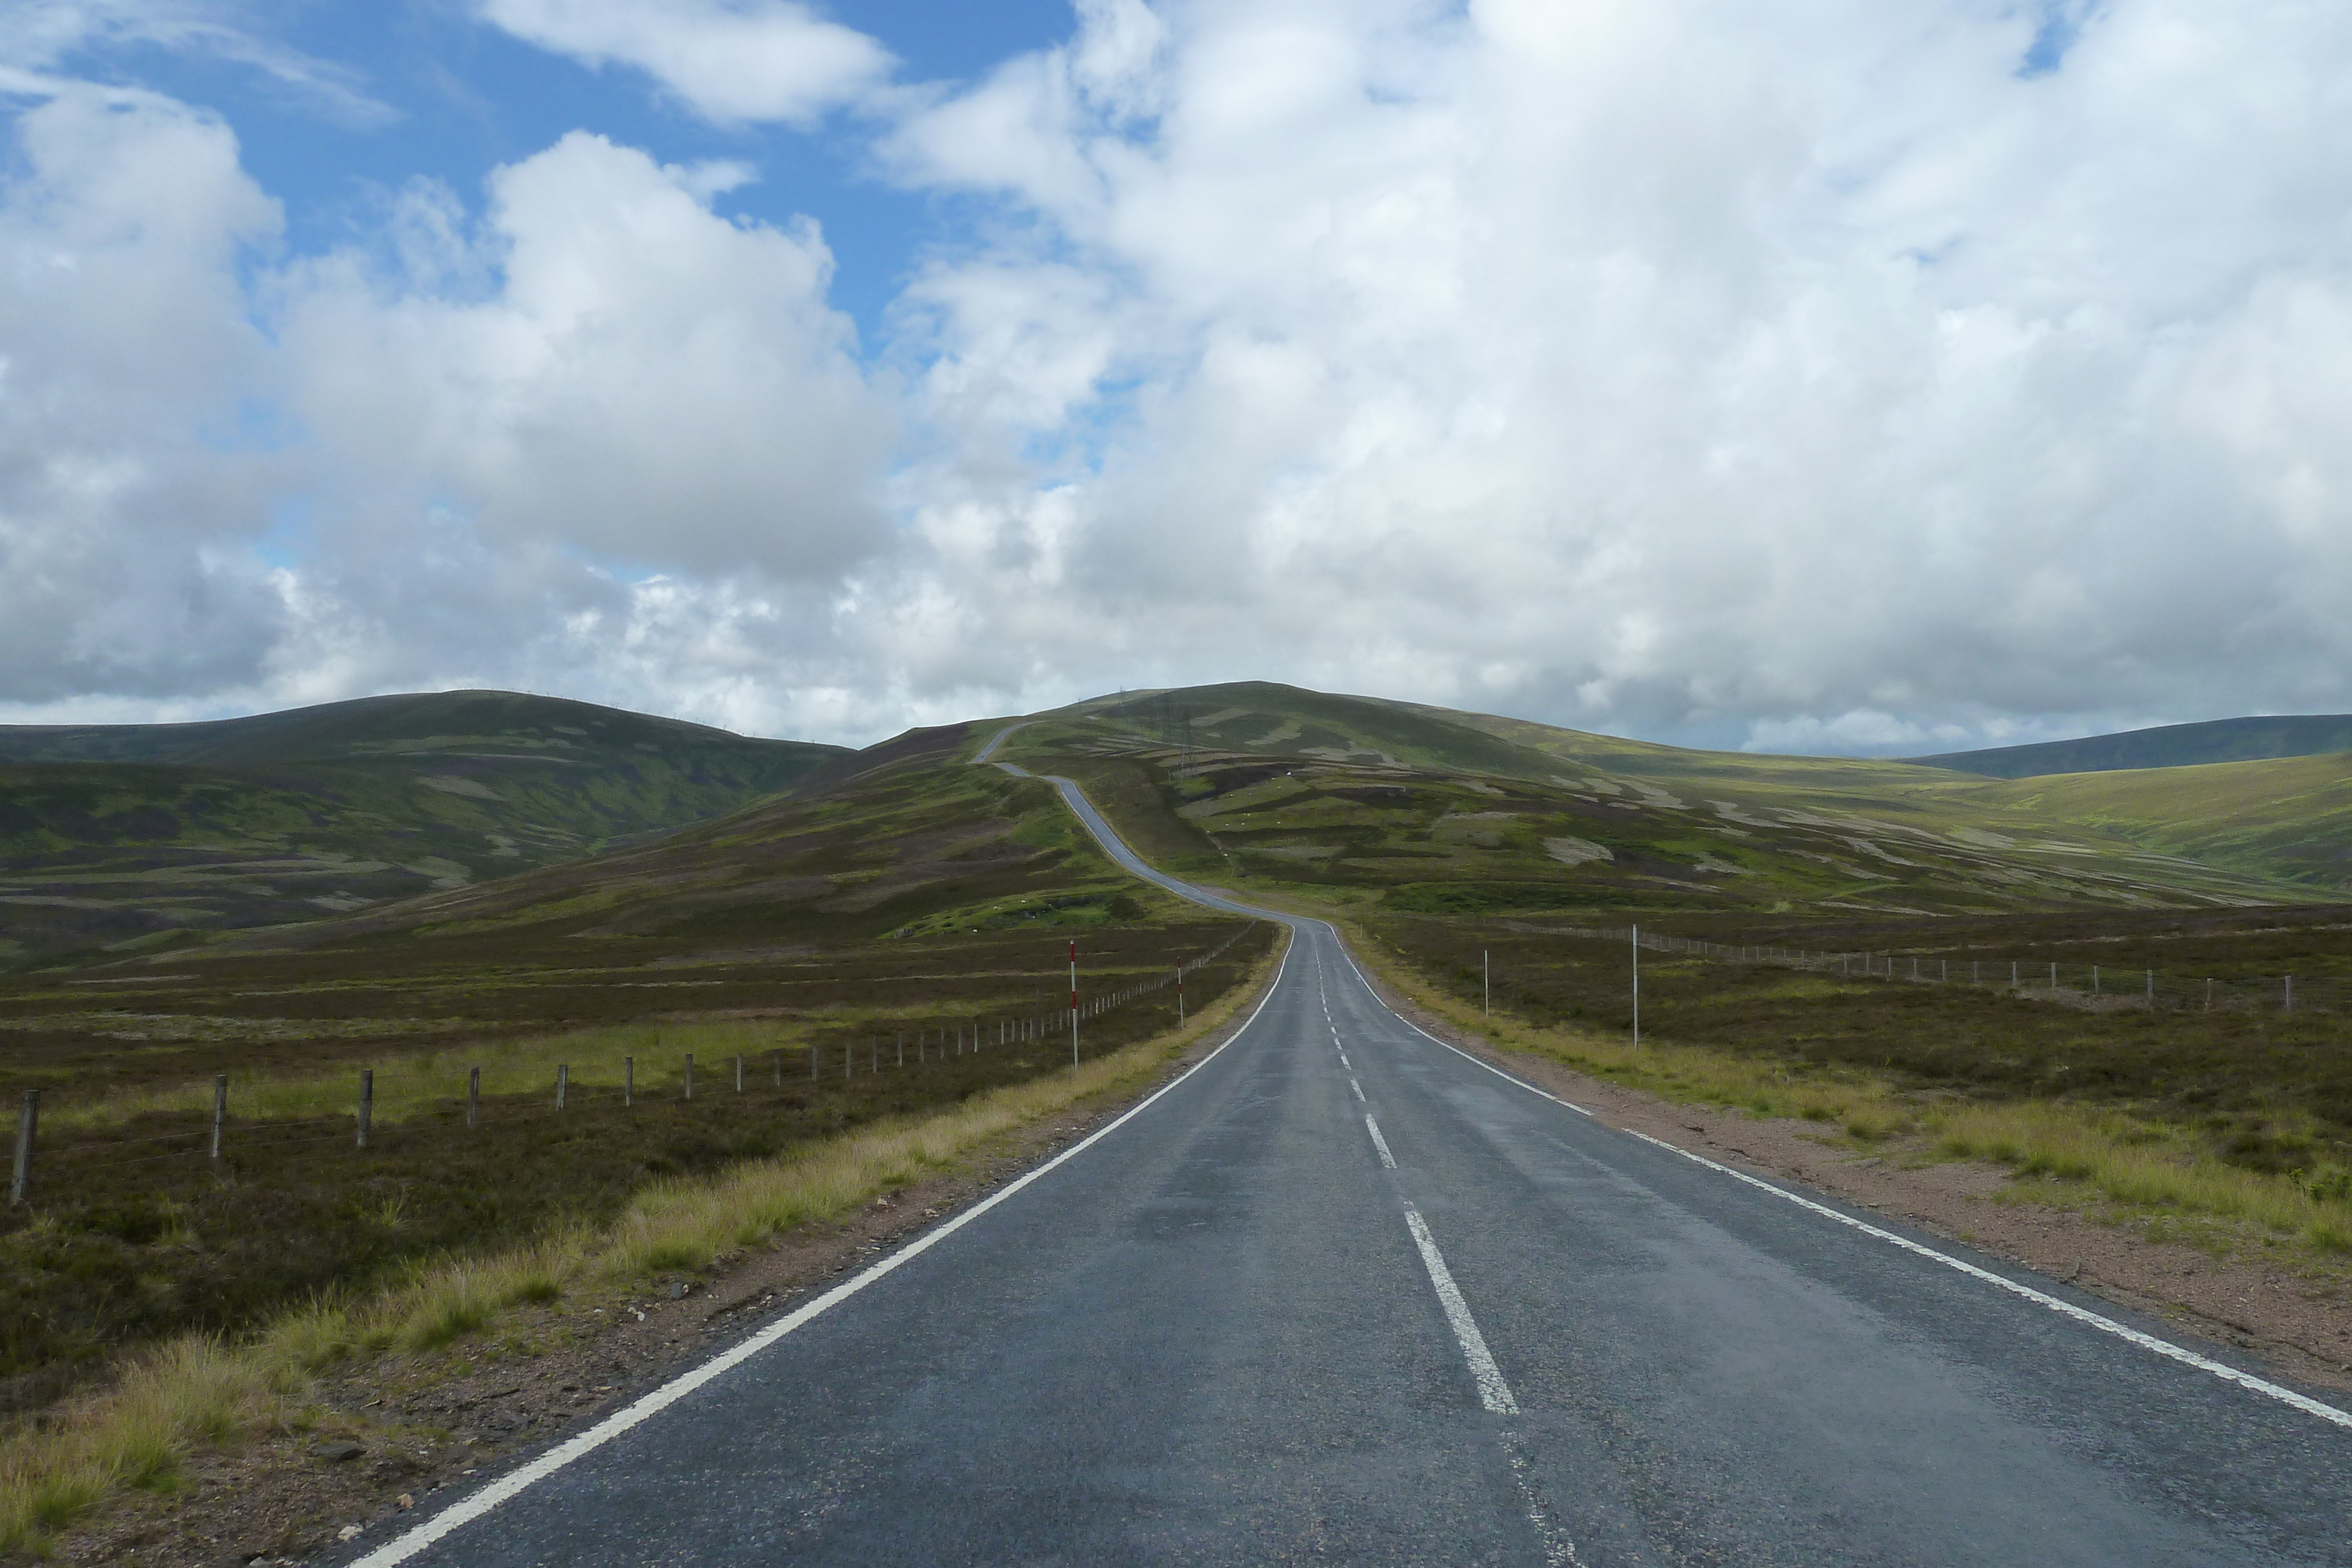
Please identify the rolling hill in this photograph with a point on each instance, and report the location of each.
(137, 837)
(114, 834)
(2166, 745)
(1363, 800)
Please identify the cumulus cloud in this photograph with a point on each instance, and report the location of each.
(493, 450)
(605, 364)
(1679, 367)
(728, 60)
(127, 488)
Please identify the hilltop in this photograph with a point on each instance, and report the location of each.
(123, 832)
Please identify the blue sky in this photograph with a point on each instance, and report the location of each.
(1819, 375)
(457, 99)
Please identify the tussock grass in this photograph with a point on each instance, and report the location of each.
(199, 1389)
(132, 1437)
(2141, 1165)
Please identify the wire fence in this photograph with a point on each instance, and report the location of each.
(2050, 980)
(865, 1055)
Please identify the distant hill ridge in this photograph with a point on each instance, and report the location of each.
(114, 834)
(405, 722)
(2165, 745)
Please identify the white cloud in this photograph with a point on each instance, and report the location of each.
(729, 60)
(1672, 366)
(1826, 373)
(470, 439)
(126, 489)
(642, 380)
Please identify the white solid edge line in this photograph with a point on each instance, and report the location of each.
(1493, 1392)
(514, 1482)
(2080, 1315)
(2166, 1348)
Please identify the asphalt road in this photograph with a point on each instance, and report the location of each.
(1344, 1294)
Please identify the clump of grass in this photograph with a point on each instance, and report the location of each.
(2143, 1167)
(132, 1436)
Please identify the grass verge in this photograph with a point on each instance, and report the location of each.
(2144, 1169)
(200, 1389)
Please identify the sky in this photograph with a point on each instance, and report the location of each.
(1802, 375)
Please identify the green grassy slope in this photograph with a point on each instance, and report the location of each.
(2166, 745)
(1363, 801)
(913, 841)
(2289, 818)
(116, 833)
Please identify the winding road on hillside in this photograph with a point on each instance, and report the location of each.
(1346, 1294)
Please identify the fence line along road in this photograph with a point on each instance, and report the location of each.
(2030, 977)
(872, 1052)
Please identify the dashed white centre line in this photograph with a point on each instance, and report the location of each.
(1493, 1392)
(1358, 1088)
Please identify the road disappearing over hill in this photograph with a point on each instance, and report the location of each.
(1344, 1293)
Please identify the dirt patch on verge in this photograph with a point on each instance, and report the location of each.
(383, 1432)
(2291, 1313)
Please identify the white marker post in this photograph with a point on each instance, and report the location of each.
(1486, 983)
(1637, 985)
(1073, 1001)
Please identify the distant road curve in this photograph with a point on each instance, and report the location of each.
(988, 751)
(1343, 1293)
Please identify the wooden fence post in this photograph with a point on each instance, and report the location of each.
(367, 1102)
(473, 1096)
(739, 1073)
(563, 1082)
(29, 1123)
(220, 1109)
(689, 1075)
(628, 1081)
